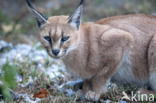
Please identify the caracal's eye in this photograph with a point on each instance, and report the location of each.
(47, 38)
(65, 38)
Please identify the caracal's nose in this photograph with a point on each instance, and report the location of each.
(55, 51)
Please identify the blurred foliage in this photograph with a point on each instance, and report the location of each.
(8, 79)
(8, 25)
(11, 29)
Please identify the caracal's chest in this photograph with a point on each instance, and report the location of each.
(81, 65)
(85, 61)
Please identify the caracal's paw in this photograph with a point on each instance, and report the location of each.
(90, 95)
(80, 95)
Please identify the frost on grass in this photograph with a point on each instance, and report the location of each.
(37, 71)
(23, 53)
(32, 63)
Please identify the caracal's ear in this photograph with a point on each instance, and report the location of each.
(40, 18)
(75, 18)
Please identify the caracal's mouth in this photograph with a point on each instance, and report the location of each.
(57, 57)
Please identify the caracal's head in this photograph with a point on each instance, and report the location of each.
(59, 34)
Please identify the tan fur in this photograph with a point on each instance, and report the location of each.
(122, 48)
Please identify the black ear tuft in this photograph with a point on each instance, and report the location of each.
(40, 18)
(82, 2)
(75, 19)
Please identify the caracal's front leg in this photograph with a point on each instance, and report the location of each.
(95, 86)
(113, 47)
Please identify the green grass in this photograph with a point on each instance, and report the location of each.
(7, 77)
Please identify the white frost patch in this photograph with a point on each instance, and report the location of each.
(30, 80)
(28, 99)
(4, 44)
(28, 54)
(23, 53)
(18, 78)
(55, 71)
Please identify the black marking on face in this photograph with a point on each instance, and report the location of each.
(48, 38)
(65, 38)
